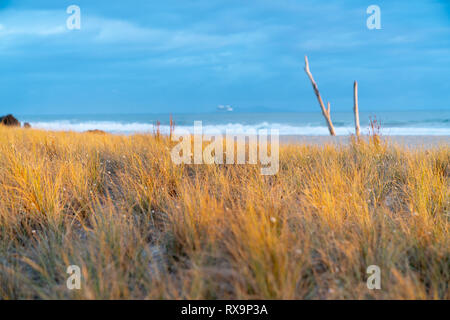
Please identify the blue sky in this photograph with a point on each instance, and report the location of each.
(180, 56)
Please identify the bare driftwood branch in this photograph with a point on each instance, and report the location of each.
(325, 112)
(355, 108)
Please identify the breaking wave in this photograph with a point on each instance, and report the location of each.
(235, 128)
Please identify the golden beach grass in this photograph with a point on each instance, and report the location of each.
(141, 227)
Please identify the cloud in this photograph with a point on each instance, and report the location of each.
(17, 24)
(120, 31)
(19, 27)
(184, 52)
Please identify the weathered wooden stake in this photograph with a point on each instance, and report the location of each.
(355, 108)
(325, 112)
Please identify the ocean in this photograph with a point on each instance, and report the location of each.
(423, 123)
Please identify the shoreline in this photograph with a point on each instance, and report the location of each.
(406, 141)
(401, 140)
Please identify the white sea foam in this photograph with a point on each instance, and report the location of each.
(136, 127)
